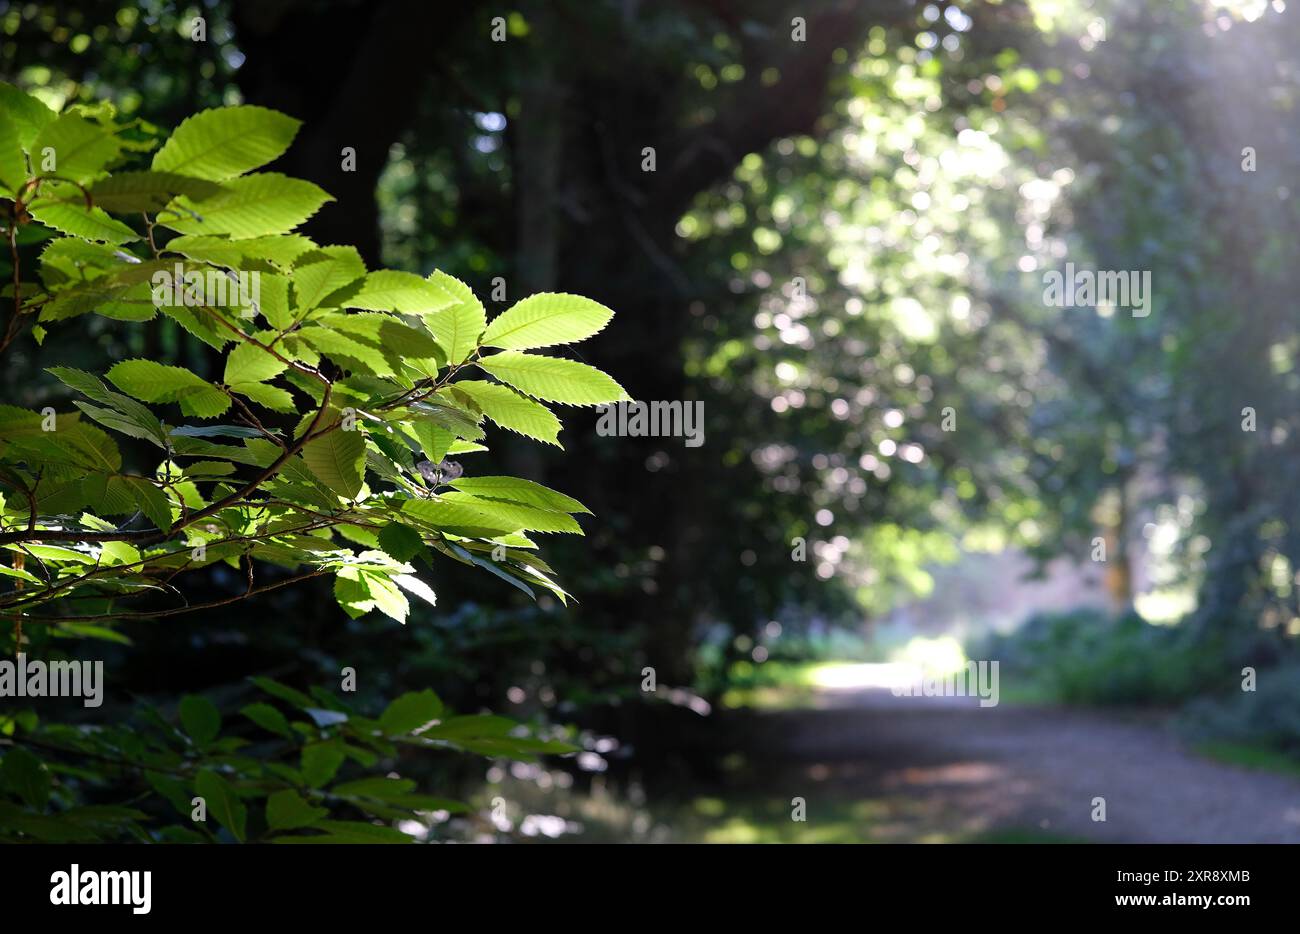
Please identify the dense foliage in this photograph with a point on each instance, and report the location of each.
(346, 392)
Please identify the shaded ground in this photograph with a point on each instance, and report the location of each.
(935, 769)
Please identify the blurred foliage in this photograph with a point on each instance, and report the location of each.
(290, 768)
(1087, 658)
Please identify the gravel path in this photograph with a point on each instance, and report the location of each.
(944, 769)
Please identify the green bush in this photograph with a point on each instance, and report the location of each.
(1085, 657)
(1269, 716)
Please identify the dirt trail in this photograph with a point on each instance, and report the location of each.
(941, 769)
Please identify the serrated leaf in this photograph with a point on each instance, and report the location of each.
(517, 490)
(121, 283)
(147, 191)
(29, 114)
(396, 339)
(226, 141)
(553, 379)
(201, 326)
(123, 424)
(388, 599)
(511, 410)
(274, 303)
(269, 397)
(399, 541)
(320, 273)
(80, 148)
(336, 459)
(546, 319)
(156, 382)
(519, 516)
(412, 584)
(89, 224)
(348, 350)
(458, 327)
(251, 363)
(280, 250)
(152, 501)
(435, 441)
(248, 206)
(390, 290)
(462, 518)
(13, 164)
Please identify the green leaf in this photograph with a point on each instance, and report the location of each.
(321, 273)
(286, 810)
(412, 584)
(251, 363)
(401, 542)
(146, 423)
(222, 802)
(274, 303)
(553, 379)
(457, 328)
(511, 410)
(227, 141)
(390, 290)
(248, 206)
(81, 444)
(410, 712)
(350, 351)
(80, 148)
(336, 459)
(24, 775)
(271, 397)
(521, 517)
(387, 598)
(460, 518)
(113, 553)
(122, 283)
(156, 382)
(545, 319)
(13, 164)
(320, 761)
(88, 224)
(396, 339)
(201, 719)
(268, 718)
(284, 692)
(29, 114)
(434, 440)
(352, 591)
(152, 501)
(201, 326)
(147, 191)
(59, 553)
(517, 490)
(280, 250)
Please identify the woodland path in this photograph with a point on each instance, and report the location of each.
(938, 768)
